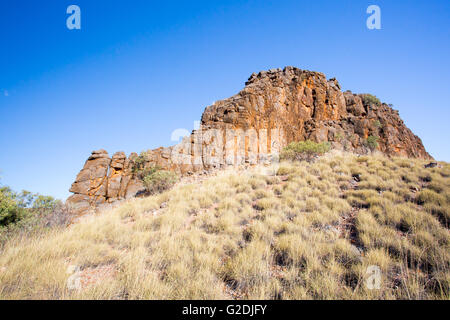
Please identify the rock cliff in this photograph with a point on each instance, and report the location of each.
(275, 108)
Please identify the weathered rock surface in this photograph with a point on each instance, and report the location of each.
(275, 108)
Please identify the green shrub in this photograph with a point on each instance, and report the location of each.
(155, 179)
(139, 165)
(10, 212)
(369, 99)
(304, 150)
(338, 137)
(372, 142)
(26, 213)
(142, 166)
(159, 180)
(377, 124)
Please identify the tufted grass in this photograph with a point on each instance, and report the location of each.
(308, 232)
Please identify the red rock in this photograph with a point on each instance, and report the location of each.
(275, 108)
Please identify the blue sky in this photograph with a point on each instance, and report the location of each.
(137, 70)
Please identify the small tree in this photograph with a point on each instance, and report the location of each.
(304, 150)
(159, 181)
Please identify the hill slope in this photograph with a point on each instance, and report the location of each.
(310, 231)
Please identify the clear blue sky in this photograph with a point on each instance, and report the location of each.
(137, 70)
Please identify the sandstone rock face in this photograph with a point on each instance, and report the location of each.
(275, 108)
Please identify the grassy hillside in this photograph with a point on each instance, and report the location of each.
(310, 231)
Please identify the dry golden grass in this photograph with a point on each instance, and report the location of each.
(309, 232)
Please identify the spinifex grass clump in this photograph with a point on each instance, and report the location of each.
(304, 150)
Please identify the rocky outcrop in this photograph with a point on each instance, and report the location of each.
(104, 180)
(275, 108)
